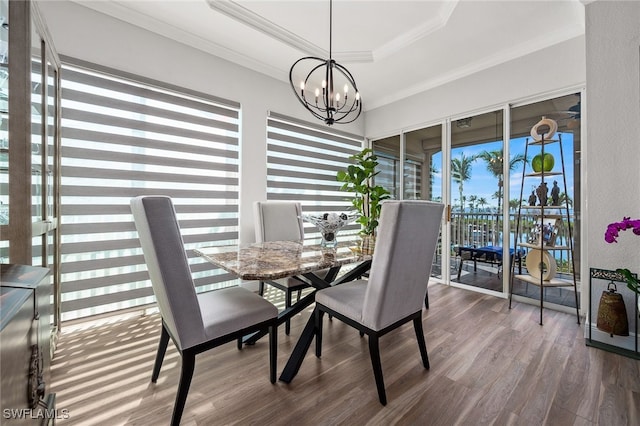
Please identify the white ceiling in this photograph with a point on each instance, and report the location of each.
(393, 48)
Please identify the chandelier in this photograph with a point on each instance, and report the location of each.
(326, 88)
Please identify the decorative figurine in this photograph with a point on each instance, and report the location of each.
(542, 192)
(555, 194)
(532, 198)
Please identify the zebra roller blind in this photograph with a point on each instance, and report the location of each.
(122, 138)
(302, 163)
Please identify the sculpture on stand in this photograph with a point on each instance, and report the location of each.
(542, 192)
(555, 194)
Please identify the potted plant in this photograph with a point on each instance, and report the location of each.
(358, 178)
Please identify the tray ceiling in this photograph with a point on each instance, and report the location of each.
(393, 48)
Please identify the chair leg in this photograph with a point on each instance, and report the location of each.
(426, 299)
(239, 343)
(273, 352)
(417, 326)
(188, 364)
(374, 351)
(319, 315)
(261, 288)
(162, 349)
(287, 304)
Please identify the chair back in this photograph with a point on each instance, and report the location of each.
(278, 221)
(166, 259)
(402, 259)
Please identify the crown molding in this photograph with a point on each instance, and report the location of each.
(119, 11)
(523, 49)
(417, 33)
(251, 19)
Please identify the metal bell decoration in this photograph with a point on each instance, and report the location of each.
(612, 313)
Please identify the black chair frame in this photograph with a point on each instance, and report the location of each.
(373, 337)
(189, 357)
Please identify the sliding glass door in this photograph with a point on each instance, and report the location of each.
(410, 167)
(565, 176)
(468, 164)
(477, 199)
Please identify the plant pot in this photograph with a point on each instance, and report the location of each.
(367, 244)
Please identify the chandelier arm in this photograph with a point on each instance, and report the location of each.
(354, 103)
(347, 74)
(352, 107)
(300, 96)
(353, 119)
(323, 63)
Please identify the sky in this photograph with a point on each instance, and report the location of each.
(484, 185)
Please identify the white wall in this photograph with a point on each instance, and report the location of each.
(91, 36)
(545, 71)
(613, 130)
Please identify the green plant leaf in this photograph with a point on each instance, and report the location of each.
(357, 179)
(632, 283)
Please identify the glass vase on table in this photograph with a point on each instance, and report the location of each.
(329, 224)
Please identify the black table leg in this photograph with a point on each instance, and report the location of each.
(283, 316)
(316, 282)
(299, 352)
(302, 346)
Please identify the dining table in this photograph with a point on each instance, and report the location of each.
(303, 260)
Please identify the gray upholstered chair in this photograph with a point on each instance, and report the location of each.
(195, 322)
(280, 221)
(395, 291)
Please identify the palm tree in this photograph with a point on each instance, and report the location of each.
(461, 172)
(514, 203)
(433, 171)
(472, 202)
(565, 200)
(495, 167)
(482, 202)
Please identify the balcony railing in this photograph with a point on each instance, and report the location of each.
(485, 229)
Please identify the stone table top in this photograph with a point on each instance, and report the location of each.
(279, 259)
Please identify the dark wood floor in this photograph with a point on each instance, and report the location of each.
(489, 365)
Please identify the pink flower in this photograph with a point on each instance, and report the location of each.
(613, 229)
